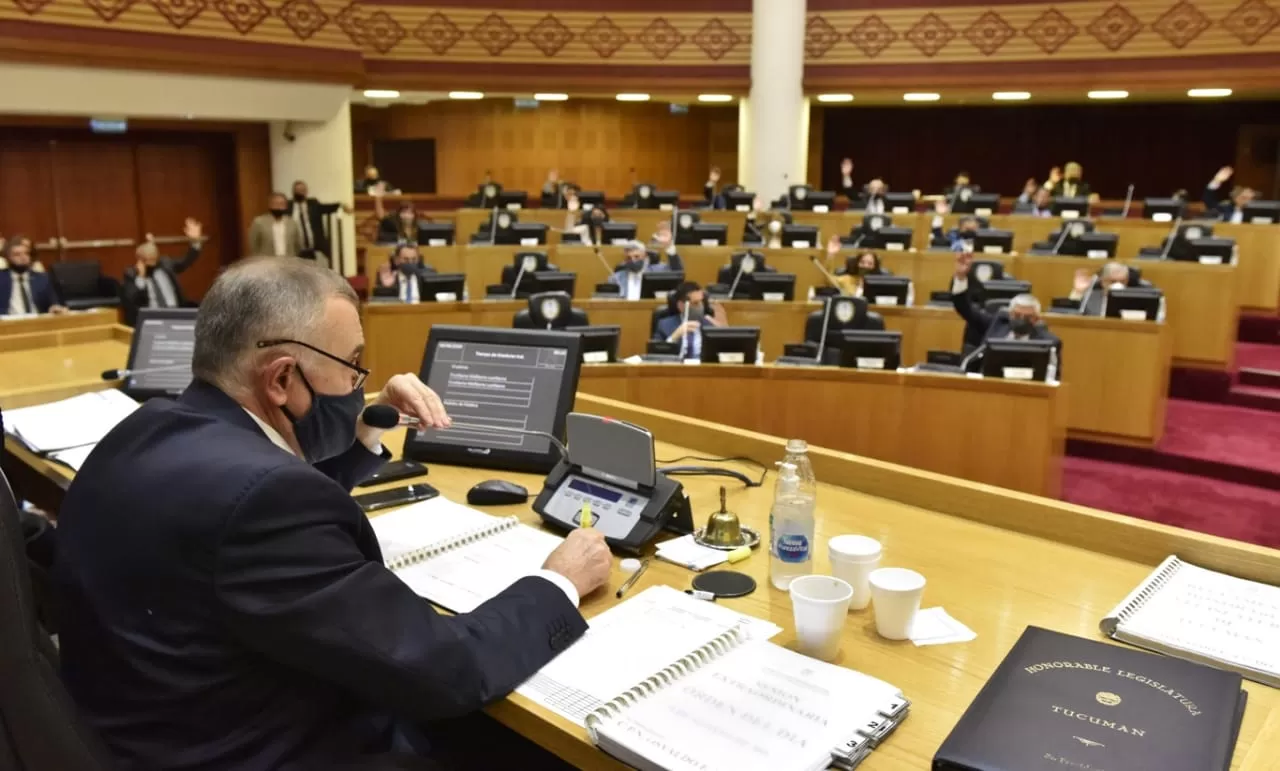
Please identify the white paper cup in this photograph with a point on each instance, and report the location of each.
(896, 593)
(820, 605)
(852, 558)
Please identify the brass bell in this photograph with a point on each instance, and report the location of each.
(723, 528)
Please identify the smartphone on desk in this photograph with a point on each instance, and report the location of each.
(394, 472)
(399, 496)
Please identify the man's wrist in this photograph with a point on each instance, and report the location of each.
(370, 437)
(562, 583)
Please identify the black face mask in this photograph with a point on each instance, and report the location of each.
(408, 268)
(299, 197)
(278, 213)
(18, 269)
(635, 266)
(329, 427)
(1021, 325)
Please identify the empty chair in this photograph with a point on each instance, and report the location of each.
(80, 284)
(550, 310)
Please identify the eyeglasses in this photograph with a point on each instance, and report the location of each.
(362, 374)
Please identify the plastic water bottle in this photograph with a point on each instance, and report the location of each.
(795, 497)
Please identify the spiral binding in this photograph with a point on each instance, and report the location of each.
(423, 553)
(687, 665)
(1149, 589)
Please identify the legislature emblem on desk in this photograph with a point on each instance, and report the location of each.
(1108, 699)
(530, 262)
(844, 311)
(965, 194)
(550, 308)
(982, 271)
(504, 220)
(875, 223)
(686, 221)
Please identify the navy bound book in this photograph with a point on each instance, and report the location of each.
(1068, 704)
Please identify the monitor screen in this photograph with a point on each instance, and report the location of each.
(163, 340)
(496, 383)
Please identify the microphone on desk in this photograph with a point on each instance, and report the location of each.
(515, 286)
(1169, 238)
(121, 374)
(1128, 200)
(1061, 237)
(742, 266)
(826, 320)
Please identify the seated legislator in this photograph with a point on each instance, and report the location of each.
(961, 182)
(1038, 206)
(372, 183)
(401, 276)
(24, 290)
(959, 238)
(663, 242)
(400, 225)
(1028, 193)
(1093, 288)
(1229, 209)
(712, 196)
(634, 265)
(238, 615)
(673, 328)
(152, 281)
(849, 277)
(873, 197)
(587, 225)
(1020, 322)
(1067, 182)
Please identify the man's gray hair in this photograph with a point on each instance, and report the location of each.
(634, 246)
(256, 299)
(1025, 301)
(1116, 267)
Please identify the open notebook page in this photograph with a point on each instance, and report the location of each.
(1203, 611)
(425, 524)
(630, 643)
(759, 707)
(73, 422)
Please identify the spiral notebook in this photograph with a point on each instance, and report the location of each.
(1201, 615)
(458, 557)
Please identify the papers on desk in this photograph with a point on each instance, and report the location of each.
(78, 422)
(73, 457)
(688, 553)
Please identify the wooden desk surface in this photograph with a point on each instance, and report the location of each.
(996, 560)
(31, 364)
(52, 322)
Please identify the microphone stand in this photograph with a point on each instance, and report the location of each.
(827, 275)
(1168, 239)
(1061, 238)
(683, 325)
(519, 275)
(742, 264)
(964, 363)
(493, 225)
(822, 341)
(1128, 200)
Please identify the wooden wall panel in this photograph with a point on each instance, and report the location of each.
(599, 144)
(97, 190)
(252, 180)
(26, 188)
(174, 181)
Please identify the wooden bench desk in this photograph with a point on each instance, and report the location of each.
(34, 363)
(52, 322)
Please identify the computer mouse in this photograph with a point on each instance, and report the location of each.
(496, 492)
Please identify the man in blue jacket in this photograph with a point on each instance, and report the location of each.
(23, 290)
(223, 599)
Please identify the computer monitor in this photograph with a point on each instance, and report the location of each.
(1096, 245)
(814, 201)
(1070, 208)
(617, 233)
(1017, 359)
(599, 343)
(800, 236)
(163, 339)
(521, 234)
(983, 204)
(432, 234)
(493, 380)
(666, 200)
(442, 287)
(1163, 209)
(513, 200)
(886, 290)
(590, 199)
(1212, 251)
(730, 345)
(773, 287)
(1134, 303)
(707, 234)
(1067, 239)
(1261, 212)
(899, 203)
(658, 285)
(1004, 289)
(993, 241)
(869, 348)
(739, 200)
(548, 281)
(892, 239)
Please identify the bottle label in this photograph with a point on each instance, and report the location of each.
(793, 547)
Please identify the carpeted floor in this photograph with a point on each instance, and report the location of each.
(1202, 504)
(1221, 433)
(1258, 356)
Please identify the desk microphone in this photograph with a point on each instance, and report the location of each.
(826, 319)
(964, 363)
(515, 287)
(493, 225)
(813, 258)
(1128, 199)
(607, 269)
(684, 324)
(1169, 238)
(742, 266)
(121, 374)
(1061, 237)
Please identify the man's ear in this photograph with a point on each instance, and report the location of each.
(278, 375)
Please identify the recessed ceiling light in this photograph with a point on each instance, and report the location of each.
(551, 97)
(1011, 96)
(1208, 93)
(1108, 94)
(632, 97)
(921, 97)
(715, 98)
(381, 93)
(466, 95)
(835, 98)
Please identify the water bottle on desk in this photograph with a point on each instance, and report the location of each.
(795, 496)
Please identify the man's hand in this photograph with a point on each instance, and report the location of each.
(714, 176)
(192, 229)
(1055, 175)
(412, 397)
(553, 175)
(573, 204)
(846, 166)
(662, 238)
(378, 190)
(963, 261)
(940, 208)
(683, 329)
(584, 559)
(834, 246)
(1223, 174)
(385, 275)
(57, 309)
(1083, 280)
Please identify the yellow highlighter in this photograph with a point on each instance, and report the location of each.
(584, 518)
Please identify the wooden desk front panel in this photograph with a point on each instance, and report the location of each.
(52, 322)
(61, 358)
(1201, 309)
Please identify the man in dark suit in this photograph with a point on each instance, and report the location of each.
(1068, 182)
(635, 263)
(1020, 322)
(224, 600)
(1231, 208)
(675, 329)
(401, 277)
(23, 290)
(152, 281)
(309, 214)
(959, 238)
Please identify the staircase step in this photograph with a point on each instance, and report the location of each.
(1254, 397)
(1258, 328)
(1258, 378)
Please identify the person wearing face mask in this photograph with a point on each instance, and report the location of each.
(692, 311)
(1021, 322)
(635, 263)
(373, 183)
(23, 290)
(873, 196)
(959, 238)
(1038, 206)
(1028, 193)
(239, 615)
(401, 277)
(1067, 183)
(1093, 292)
(1229, 208)
(589, 224)
(309, 213)
(152, 281)
(400, 225)
(275, 234)
(849, 278)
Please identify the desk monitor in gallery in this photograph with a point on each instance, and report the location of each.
(502, 388)
(160, 353)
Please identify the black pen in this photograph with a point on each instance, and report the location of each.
(631, 581)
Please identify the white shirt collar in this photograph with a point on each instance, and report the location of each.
(271, 433)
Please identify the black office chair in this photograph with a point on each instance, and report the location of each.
(726, 273)
(41, 726)
(550, 310)
(81, 285)
(862, 319)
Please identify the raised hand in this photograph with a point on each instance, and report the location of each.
(834, 246)
(714, 176)
(940, 208)
(1223, 174)
(1083, 280)
(192, 229)
(1055, 175)
(846, 166)
(963, 261)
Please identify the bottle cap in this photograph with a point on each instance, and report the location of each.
(797, 445)
(629, 565)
